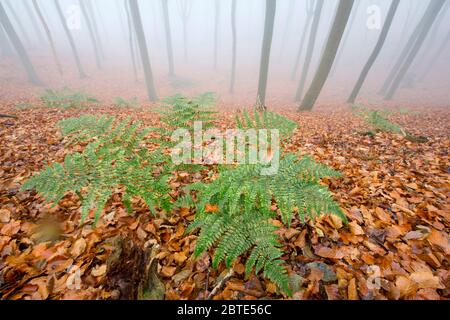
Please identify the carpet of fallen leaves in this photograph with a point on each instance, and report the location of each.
(393, 191)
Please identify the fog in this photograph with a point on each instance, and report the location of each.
(427, 81)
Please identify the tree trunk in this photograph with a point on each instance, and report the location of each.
(286, 28)
(34, 22)
(428, 18)
(24, 33)
(216, 31)
(329, 54)
(309, 49)
(91, 34)
(90, 9)
(168, 36)
(376, 51)
(136, 17)
(5, 45)
(436, 56)
(49, 36)
(70, 38)
(271, 6)
(185, 7)
(131, 32)
(346, 35)
(310, 13)
(14, 38)
(233, 54)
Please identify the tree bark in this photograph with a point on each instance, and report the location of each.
(216, 31)
(24, 33)
(233, 53)
(309, 49)
(381, 39)
(91, 34)
(329, 54)
(310, 13)
(271, 7)
(168, 36)
(136, 17)
(49, 36)
(71, 42)
(130, 32)
(5, 45)
(428, 18)
(18, 46)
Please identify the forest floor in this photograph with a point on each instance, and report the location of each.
(393, 191)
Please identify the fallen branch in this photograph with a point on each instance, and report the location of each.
(220, 284)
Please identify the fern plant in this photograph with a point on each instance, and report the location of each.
(244, 199)
(122, 103)
(266, 120)
(67, 98)
(376, 120)
(114, 159)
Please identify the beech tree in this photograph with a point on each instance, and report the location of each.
(146, 66)
(309, 49)
(233, 46)
(70, 38)
(18, 46)
(168, 36)
(375, 52)
(427, 21)
(271, 6)
(49, 35)
(329, 54)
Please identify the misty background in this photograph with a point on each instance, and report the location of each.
(201, 37)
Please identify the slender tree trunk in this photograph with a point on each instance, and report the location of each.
(185, 7)
(136, 17)
(168, 36)
(436, 56)
(131, 32)
(233, 54)
(376, 50)
(90, 10)
(346, 35)
(309, 15)
(91, 34)
(49, 36)
(24, 33)
(216, 31)
(34, 22)
(5, 45)
(329, 54)
(18, 46)
(309, 49)
(429, 17)
(70, 38)
(271, 7)
(286, 28)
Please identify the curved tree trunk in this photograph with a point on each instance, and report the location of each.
(20, 49)
(346, 35)
(436, 56)
(131, 32)
(310, 49)
(428, 18)
(34, 22)
(233, 54)
(168, 36)
(49, 36)
(5, 45)
(91, 34)
(90, 10)
(310, 14)
(24, 33)
(136, 17)
(70, 38)
(271, 7)
(329, 54)
(375, 52)
(216, 31)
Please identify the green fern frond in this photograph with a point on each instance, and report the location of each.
(266, 120)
